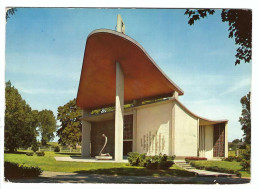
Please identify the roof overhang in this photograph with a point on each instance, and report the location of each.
(111, 115)
(143, 79)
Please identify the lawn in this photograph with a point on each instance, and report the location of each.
(48, 163)
(223, 164)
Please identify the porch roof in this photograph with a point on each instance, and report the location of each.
(143, 79)
(111, 115)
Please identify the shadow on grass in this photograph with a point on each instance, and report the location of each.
(133, 171)
(71, 154)
(7, 152)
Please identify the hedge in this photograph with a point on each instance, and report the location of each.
(14, 170)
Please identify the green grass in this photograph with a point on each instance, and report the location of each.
(48, 163)
(223, 164)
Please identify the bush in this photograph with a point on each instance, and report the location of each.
(230, 158)
(150, 162)
(57, 149)
(40, 153)
(233, 158)
(136, 159)
(188, 159)
(29, 153)
(246, 158)
(14, 170)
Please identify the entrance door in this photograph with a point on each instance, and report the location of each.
(128, 134)
(219, 140)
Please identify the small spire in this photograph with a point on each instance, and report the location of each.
(120, 24)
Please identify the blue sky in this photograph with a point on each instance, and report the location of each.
(45, 46)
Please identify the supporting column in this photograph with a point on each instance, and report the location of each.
(226, 139)
(86, 129)
(119, 113)
(172, 131)
(198, 137)
(175, 95)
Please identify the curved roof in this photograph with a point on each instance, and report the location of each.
(203, 121)
(111, 115)
(143, 79)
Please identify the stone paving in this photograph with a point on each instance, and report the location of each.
(201, 173)
(59, 177)
(92, 160)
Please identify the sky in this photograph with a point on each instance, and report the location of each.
(45, 47)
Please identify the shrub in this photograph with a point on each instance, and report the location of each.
(150, 162)
(246, 158)
(136, 159)
(40, 153)
(29, 153)
(230, 158)
(14, 170)
(188, 159)
(57, 149)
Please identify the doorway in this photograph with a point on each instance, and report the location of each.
(128, 134)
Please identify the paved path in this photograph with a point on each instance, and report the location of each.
(92, 160)
(201, 173)
(58, 177)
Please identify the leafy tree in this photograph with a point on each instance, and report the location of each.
(70, 129)
(240, 27)
(20, 123)
(10, 11)
(46, 125)
(245, 119)
(236, 141)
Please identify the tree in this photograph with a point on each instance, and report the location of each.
(245, 119)
(236, 141)
(10, 11)
(240, 27)
(46, 125)
(20, 123)
(70, 129)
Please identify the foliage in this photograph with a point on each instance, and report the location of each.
(14, 170)
(240, 27)
(40, 153)
(57, 149)
(233, 158)
(234, 144)
(29, 153)
(136, 159)
(150, 162)
(70, 129)
(245, 119)
(20, 121)
(10, 11)
(47, 125)
(246, 158)
(188, 159)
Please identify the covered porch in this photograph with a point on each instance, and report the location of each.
(213, 142)
(116, 70)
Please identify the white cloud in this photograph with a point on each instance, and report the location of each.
(238, 85)
(47, 91)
